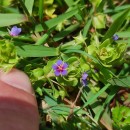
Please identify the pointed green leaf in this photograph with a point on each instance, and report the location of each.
(41, 10)
(65, 32)
(55, 21)
(69, 2)
(116, 25)
(120, 81)
(36, 51)
(29, 5)
(10, 19)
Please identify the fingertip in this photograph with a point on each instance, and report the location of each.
(18, 79)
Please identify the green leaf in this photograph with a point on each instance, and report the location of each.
(107, 123)
(41, 9)
(116, 25)
(55, 21)
(11, 19)
(43, 39)
(65, 32)
(8, 55)
(69, 2)
(48, 67)
(70, 46)
(36, 51)
(83, 53)
(121, 115)
(110, 96)
(99, 21)
(72, 3)
(95, 3)
(61, 110)
(107, 72)
(26, 11)
(29, 5)
(120, 81)
(124, 34)
(117, 9)
(87, 27)
(50, 101)
(92, 99)
(96, 95)
(5, 2)
(69, 81)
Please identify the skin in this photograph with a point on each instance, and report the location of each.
(18, 106)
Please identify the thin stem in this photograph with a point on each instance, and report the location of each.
(73, 104)
(80, 90)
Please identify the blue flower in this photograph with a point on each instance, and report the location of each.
(60, 68)
(84, 79)
(115, 37)
(15, 31)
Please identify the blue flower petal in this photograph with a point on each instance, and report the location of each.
(54, 67)
(15, 31)
(59, 62)
(19, 30)
(65, 65)
(84, 82)
(84, 76)
(115, 37)
(64, 72)
(57, 73)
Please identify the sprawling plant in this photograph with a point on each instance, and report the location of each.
(76, 54)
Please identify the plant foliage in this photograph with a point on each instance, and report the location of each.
(77, 56)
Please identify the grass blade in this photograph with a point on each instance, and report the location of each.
(120, 81)
(36, 51)
(29, 5)
(43, 39)
(90, 100)
(55, 21)
(96, 95)
(116, 25)
(65, 32)
(41, 10)
(13, 19)
(87, 27)
(69, 2)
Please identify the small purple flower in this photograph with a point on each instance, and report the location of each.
(84, 79)
(60, 68)
(96, 70)
(15, 31)
(115, 37)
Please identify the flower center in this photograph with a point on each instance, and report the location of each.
(60, 68)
